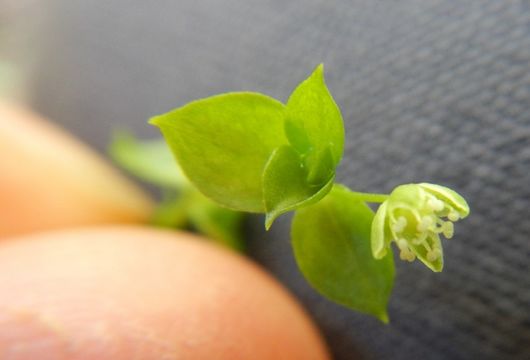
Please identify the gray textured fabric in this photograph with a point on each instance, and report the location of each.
(433, 91)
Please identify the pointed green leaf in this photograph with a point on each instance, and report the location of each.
(222, 144)
(172, 210)
(313, 120)
(149, 160)
(285, 185)
(320, 166)
(181, 205)
(301, 174)
(331, 242)
(223, 225)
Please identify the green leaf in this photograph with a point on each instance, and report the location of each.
(285, 184)
(322, 168)
(172, 210)
(331, 242)
(223, 225)
(223, 142)
(182, 205)
(149, 160)
(303, 173)
(314, 121)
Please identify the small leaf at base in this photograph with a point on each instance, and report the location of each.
(331, 242)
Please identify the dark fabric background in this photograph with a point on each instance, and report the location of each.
(435, 91)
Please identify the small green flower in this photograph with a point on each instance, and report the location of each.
(413, 217)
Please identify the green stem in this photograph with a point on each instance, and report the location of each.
(370, 197)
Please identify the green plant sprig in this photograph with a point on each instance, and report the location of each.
(182, 206)
(249, 152)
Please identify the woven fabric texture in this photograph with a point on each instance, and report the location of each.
(435, 91)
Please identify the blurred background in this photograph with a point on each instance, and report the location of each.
(435, 91)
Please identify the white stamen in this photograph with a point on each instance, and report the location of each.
(424, 224)
(420, 239)
(448, 229)
(397, 228)
(435, 204)
(453, 216)
(438, 229)
(434, 237)
(411, 256)
(407, 255)
(433, 255)
(400, 224)
(402, 245)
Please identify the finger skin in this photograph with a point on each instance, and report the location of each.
(50, 180)
(136, 293)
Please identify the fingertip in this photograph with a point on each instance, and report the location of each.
(126, 292)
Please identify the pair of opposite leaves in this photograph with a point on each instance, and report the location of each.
(251, 153)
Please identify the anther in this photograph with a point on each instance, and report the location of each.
(420, 239)
(411, 256)
(435, 204)
(400, 224)
(403, 255)
(407, 255)
(453, 216)
(448, 229)
(424, 224)
(402, 244)
(433, 255)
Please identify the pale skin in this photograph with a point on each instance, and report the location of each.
(137, 293)
(80, 289)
